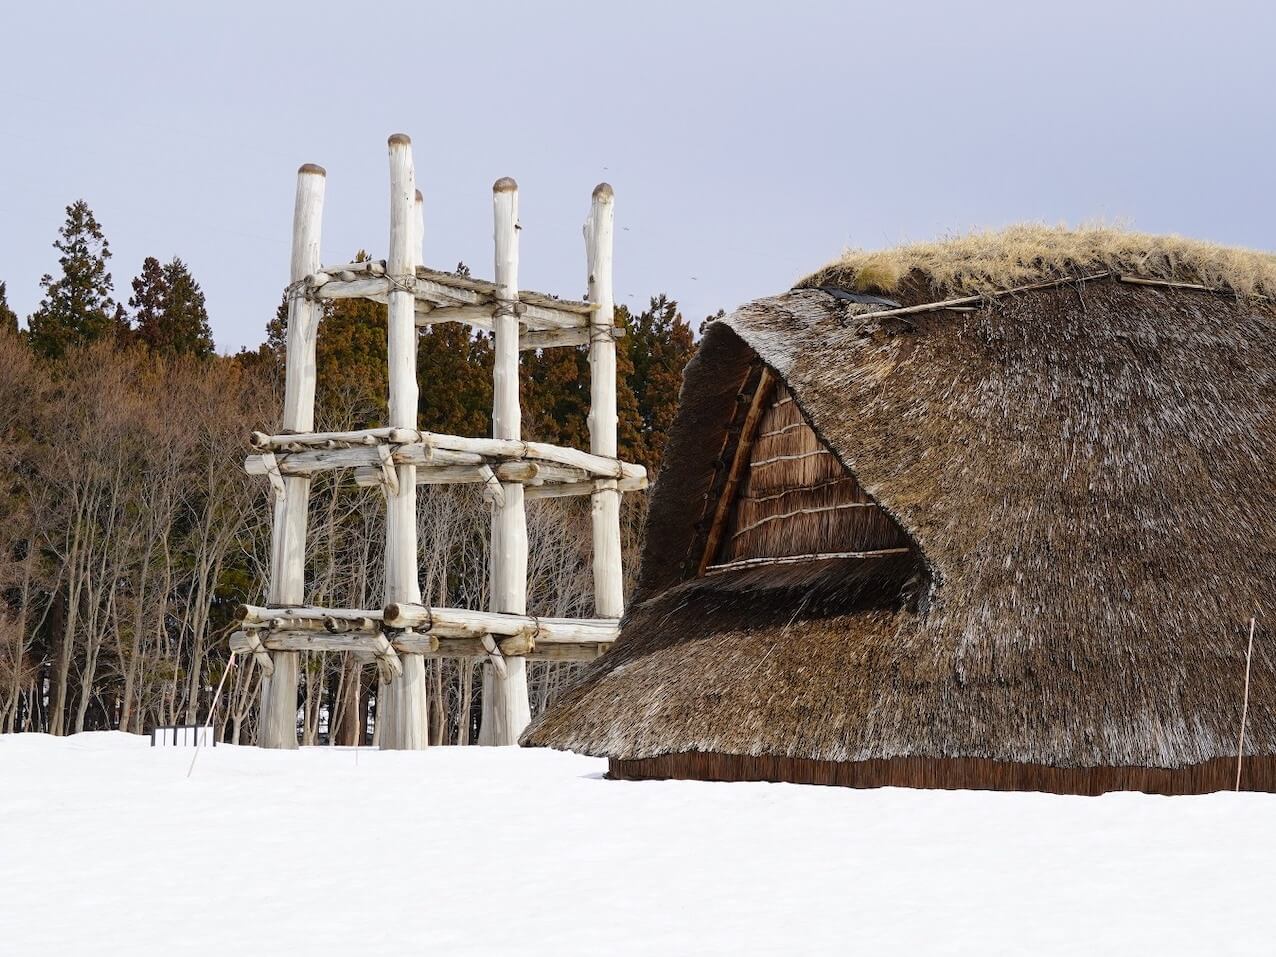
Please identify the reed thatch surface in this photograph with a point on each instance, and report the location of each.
(1087, 475)
(999, 259)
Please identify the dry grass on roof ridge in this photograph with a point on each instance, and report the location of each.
(990, 260)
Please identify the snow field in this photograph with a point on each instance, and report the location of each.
(107, 848)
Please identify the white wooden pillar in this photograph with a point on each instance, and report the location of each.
(401, 700)
(278, 719)
(506, 711)
(609, 595)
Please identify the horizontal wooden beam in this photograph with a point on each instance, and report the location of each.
(262, 615)
(553, 338)
(305, 453)
(307, 462)
(461, 299)
(466, 623)
(410, 643)
(449, 622)
(451, 280)
(584, 487)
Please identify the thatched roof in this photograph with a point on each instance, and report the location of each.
(1086, 471)
(1027, 253)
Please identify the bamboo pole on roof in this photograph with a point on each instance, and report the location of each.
(288, 534)
(739, 464)
(609, 596)
(403, 696)
(506, 711)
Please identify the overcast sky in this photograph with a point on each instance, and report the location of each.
(748, 143)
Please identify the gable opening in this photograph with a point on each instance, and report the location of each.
(783, 498)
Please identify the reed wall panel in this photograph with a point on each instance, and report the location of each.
(796, 498)
(1258, 774)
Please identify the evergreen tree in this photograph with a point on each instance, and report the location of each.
(649, 361)
(187, 316)
(554, 395)
(277, 331)
(77, 306)
(8, 318)
(660, 345)
(352, 384)
(147, 301)
(169, 310)
(454, 368)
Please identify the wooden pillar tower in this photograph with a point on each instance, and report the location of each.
(398, 457)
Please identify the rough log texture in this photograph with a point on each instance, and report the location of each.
(288, 535)
(462, 622)
(436, 293)
(414, 447)
(506, 709)
(403, 694)
(609, 596)
(408, 643)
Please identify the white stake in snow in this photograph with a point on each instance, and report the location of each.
(1240, 747)
(212, 711)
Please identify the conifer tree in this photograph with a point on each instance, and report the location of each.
(147, 301)
(77, 306)
(554, 393)
(352, 385)
(454, 367)
(187, 315)
(660, 345)
(8, 318)
(169, 310)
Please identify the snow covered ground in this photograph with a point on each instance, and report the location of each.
(107, 848)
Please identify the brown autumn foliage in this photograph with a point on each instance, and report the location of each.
(129, 530)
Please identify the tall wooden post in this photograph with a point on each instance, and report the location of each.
(609, 595)
(278, 725)
(402, 698)
(506, 711)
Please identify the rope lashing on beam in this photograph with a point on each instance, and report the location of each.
(494, 655)
(301, 289)
(506, 307)
(492, 489)
(272, 472)
(259, 652)
(389, 474)
(388, 663)
(402, 283)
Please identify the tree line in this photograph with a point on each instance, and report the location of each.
(129, 531)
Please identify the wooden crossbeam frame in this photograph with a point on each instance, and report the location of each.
(311, 452)
(400, 457)
(405, 643)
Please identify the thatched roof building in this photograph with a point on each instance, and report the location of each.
(990, 513)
